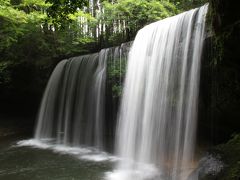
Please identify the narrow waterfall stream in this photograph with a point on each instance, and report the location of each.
(158, 115)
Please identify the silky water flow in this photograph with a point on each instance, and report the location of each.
(158, 114)
(73, 108)
(156, 127)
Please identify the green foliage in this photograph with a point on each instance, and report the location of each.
(28, 33)
(60, 9)
(37, 4)
(132, 15)
(185, 5)
(10, 19)
(115, 74)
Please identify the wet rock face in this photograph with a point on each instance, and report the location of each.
(209, 166)
(225, 17)
(221, 72)
(225, 13)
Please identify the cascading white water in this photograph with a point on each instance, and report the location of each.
(72, 111)
(72, 108)
(157, 119)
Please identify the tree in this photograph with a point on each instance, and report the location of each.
(124, 18)
(60, 9)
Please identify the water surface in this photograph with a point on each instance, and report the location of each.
(29, 163)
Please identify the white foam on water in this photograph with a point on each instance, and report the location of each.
(141, 172)
(83, 153)
(33, 143)
(98, 157)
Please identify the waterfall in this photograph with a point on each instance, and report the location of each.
(73, 108)
(158, 115)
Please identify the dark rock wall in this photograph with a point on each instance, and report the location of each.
(220, 79)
